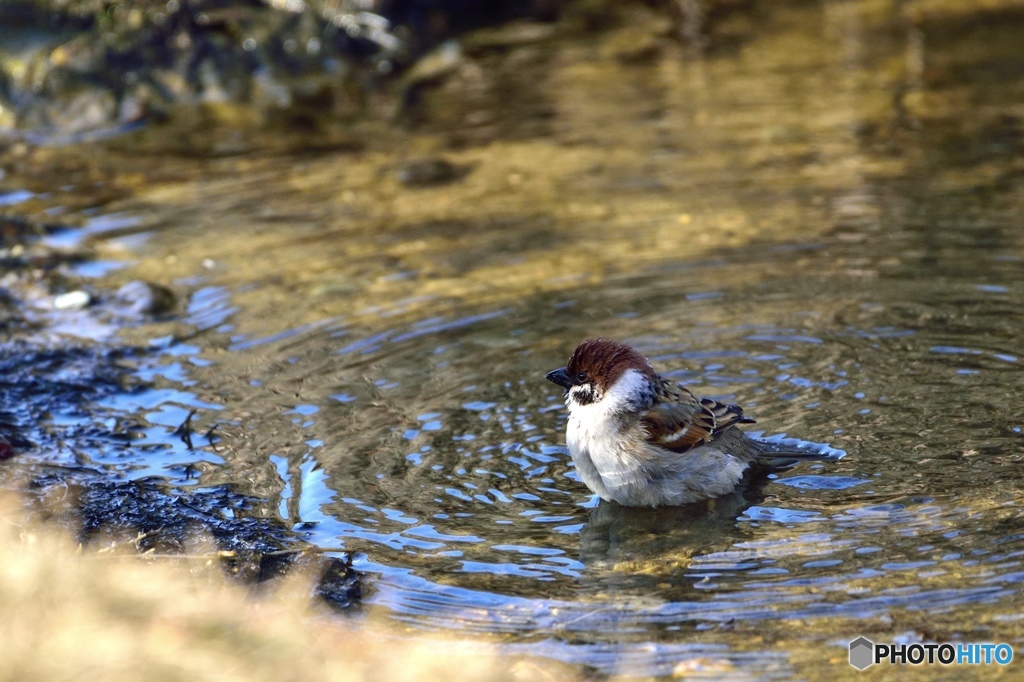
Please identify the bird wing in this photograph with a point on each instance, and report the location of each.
(679, 420)
(725, 414)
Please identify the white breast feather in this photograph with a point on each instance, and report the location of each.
(595, 438)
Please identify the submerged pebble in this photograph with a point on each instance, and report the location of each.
(145, 298)
(72, 300)
(430, 171)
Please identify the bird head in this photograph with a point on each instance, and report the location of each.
(596, 370)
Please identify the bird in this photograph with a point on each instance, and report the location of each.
(641, 440)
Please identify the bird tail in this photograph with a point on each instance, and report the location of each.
(780, 452)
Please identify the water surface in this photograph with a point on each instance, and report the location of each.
(808, 224)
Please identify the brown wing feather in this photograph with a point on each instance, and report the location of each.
(680, 421)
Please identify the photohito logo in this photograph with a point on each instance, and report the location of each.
(864, 653)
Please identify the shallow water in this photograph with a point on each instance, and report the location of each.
(770, 225)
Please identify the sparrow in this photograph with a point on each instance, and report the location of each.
(644, 441)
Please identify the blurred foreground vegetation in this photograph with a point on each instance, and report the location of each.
(98, 613)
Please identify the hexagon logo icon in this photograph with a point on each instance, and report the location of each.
(862, 653)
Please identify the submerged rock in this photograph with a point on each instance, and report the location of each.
(141, 298)
(149, 514)
(72, 300)
(430, 171)
(70, 447)
(148, 517)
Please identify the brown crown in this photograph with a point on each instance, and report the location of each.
(604, 361)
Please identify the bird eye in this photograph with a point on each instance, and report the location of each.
(581, 377)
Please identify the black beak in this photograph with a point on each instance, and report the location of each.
(559, 377)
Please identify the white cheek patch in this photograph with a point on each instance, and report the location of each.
(625, 392)
(621, 397)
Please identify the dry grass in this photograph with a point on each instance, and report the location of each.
(73, 614)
